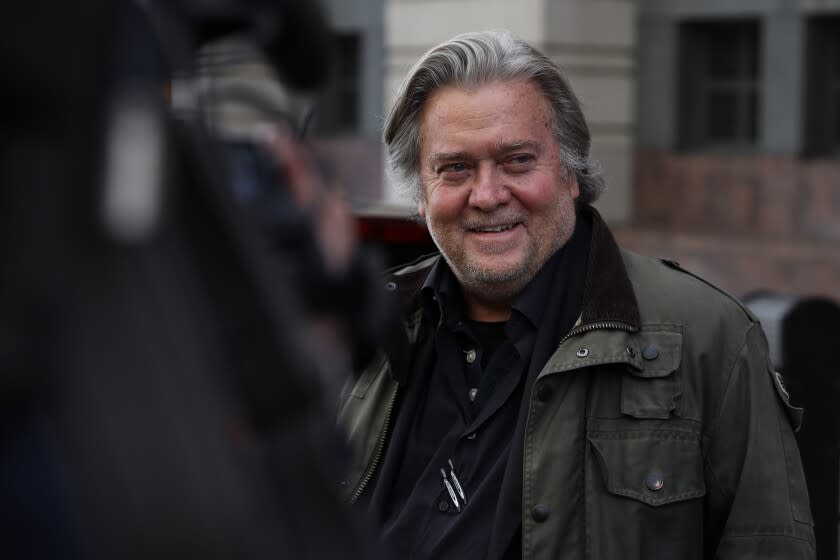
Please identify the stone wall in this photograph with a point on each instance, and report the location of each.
(743, 222)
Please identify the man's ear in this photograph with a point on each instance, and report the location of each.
(574, 188)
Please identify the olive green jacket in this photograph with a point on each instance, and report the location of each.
(657, 430)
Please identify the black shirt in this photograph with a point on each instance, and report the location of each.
(464, 412)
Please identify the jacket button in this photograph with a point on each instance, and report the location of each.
(650, 352)
(544, 392)
(654, 482)
(390, 286)
(582, 352)
(443, 506)
(540, 513)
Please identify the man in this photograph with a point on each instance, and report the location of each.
(550, 395)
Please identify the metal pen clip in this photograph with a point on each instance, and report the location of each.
(450, 490)
(457, 482)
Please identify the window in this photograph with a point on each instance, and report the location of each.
(822, 108)
(719, 85)
(337, 108)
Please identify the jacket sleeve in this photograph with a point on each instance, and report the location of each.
(756, 494)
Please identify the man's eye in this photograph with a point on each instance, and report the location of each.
(453, 168)
(520, 160)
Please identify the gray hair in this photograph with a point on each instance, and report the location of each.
(473, 59)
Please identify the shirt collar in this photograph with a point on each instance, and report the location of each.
(531, 300)
(443, 297)
(441, 294)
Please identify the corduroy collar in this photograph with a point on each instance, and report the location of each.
(608, 295)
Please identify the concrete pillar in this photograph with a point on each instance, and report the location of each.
(658, 83)
(783, 40)
(594, 43)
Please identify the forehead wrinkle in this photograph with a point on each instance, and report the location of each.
(438, 156)
(507, 146)
(447, 156)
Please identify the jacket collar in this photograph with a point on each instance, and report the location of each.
(608, 293)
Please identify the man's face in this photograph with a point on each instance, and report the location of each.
(494, 195)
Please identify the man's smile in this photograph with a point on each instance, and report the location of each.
(494, 228)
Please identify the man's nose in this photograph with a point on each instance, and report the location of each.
(489, 189)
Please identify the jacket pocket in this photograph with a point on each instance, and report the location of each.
(655, 467)
(644, 490)
(652, 390)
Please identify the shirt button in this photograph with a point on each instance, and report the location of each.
(540, 513)
(650, 352)
(654, 482)
(472, 435)
(544, 392)
(470, 356)
(390, 286)
(443, 506)
(473, 393)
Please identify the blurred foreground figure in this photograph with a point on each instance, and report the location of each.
(551, 395)
(169, 350)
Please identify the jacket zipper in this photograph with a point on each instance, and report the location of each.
(386, 425)
(615, 325)
(380, 448)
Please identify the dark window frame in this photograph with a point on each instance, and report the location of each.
(338, 107)
(822, 87)
(698, 84)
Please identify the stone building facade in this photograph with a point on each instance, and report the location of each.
(750, 208)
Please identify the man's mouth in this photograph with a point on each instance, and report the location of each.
(493, 229)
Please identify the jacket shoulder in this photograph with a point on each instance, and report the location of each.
(666, 292)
